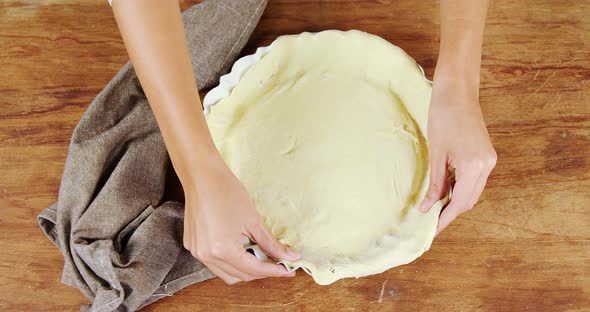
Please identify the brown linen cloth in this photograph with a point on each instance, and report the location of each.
(121, 241)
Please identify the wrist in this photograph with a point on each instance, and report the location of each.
(454, 87)
(195, 166)
(457, 79)
(460, 58)
(466, 69)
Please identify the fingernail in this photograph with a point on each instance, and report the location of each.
(294, 256)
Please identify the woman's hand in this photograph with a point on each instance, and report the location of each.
(218, 214)
(457, 134)
(458, 138)
(218, 210)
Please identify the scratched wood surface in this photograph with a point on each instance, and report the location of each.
(524, 247)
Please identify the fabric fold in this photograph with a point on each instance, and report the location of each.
(120, 238)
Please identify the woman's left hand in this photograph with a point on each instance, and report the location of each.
(457, 137)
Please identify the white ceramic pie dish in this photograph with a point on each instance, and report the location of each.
(227, 83)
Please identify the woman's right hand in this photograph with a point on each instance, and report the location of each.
(218, 211)
(218, 214)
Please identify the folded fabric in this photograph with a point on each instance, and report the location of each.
(120, 238)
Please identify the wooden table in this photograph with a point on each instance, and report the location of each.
(526, 246)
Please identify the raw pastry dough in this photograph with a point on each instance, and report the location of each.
(327, 133)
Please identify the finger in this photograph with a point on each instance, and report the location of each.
(438, 182)
(227, 278)
(479, 187)
(223, 255)
(185, 240)
(186, 243)
(251, 265)
(270, 245)
(461, 199)
(232, 270)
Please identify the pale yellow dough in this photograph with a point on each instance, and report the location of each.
(327, 133)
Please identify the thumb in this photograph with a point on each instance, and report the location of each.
(270, 245)
(437, 185)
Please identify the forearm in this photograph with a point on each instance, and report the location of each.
(155, 40)
(457, 134)
(461, 24)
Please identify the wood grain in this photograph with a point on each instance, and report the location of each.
(526, 246)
